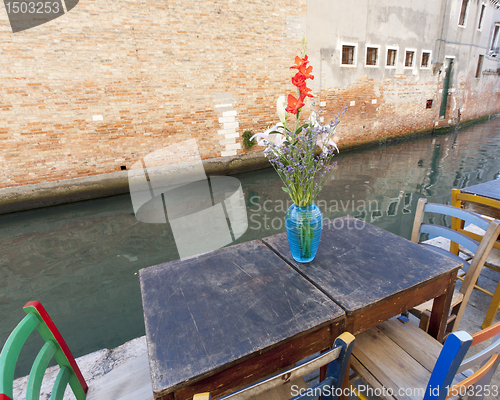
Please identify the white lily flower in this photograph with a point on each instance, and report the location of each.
(313, 119)
(280, 108)
(325, 143)
(267, 137)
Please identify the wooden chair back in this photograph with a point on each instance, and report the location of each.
(54, 347)
(280, 386)
(491, 208)
(477, 204)
(454, 350)
(480, 249)
(488, 359)
(404, 359)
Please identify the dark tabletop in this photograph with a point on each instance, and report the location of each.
(204, 313)
(359, 265)
(489, 189)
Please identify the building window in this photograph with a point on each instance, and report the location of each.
(479, 66)
(494, 42)
(371, 56)
(426, 56)
(463, 13)
(391, 57)
(481, 14)
(348, 55)
(409, 58)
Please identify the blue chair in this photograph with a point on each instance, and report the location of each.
(481, 250)
(290, 383)
(403, 361)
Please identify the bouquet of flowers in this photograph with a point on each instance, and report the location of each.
(302, 157)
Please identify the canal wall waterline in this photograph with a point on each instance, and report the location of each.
(27, 197)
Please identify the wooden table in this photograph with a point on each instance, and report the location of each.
(489, 192)
(220, 321)
(375, 275)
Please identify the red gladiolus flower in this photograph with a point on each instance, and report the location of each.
(299, 79)
(294, 104)
(304, 92)
(301, 65)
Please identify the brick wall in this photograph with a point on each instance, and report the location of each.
(112, 81)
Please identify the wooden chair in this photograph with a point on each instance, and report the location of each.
(290, 383)
(473, 269)
(129, 381)
(400, 361)
(55, 346)
(490, 208)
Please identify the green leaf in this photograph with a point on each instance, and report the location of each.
(301, 127)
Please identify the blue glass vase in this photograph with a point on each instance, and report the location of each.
(303, 228)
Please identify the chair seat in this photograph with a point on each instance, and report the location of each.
(283, 392)
(129, 381)
(427, 306)
(395, 356)
(493, 260)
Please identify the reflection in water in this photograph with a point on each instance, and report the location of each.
(81, 260)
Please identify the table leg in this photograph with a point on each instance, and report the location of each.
(345, 383)
(441, 310)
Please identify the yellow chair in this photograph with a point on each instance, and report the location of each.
(488, 208)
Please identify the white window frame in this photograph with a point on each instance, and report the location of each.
(414, 57)
(466, 14)
(430, 59)
(373, 46)
(480, 26)
(387, 48)
(354, 58)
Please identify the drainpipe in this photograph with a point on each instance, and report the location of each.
(442, 30)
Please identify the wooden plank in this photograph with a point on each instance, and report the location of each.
(417, 343)
(130, 381)
(292, 374)
(208, 313)
(367, 318)
(369, 379)
(427, 306)
(438, 321)
(268, 363)
(394, 368)
(283, 392)
(483, 209)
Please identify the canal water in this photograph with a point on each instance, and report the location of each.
(81, 260)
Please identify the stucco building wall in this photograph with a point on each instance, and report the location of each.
(387, 101)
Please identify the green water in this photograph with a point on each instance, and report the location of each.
(81, 260)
